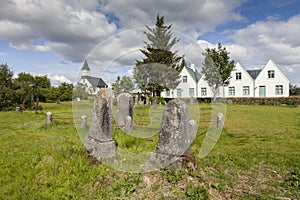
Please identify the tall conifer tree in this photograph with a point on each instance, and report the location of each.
(160, 67)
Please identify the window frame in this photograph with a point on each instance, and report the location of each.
(203, 91)
(191, 92)
(238, 76)
(184, 79)
(278, 89)
(271, 73)
(231, 91)
(246, 90)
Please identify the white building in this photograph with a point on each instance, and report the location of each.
(267, 82)
(92, 84)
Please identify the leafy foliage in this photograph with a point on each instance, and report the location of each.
(124, 84)
(294, 90)
(217, 68)
(79, 92)
(7, 95)
(26, 88)
(160, 68)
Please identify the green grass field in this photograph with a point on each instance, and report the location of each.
(256, 157)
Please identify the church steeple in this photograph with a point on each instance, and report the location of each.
(85, 70)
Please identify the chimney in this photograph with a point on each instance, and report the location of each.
(192, 66)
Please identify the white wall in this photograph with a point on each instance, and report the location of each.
(270, 83)
(246, 80)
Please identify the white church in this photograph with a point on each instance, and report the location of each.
(92, 84)
(270, 81)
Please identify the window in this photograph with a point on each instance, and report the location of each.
(238, 76)
(246, 90)
(191, 92)
(203, 91)
(278, 89)
(271, 74)
(168, 93)
(184, 79)
(231, 91)
(179, 93)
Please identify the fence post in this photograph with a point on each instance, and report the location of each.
(49, 118)
(220, 120)
(83, 124)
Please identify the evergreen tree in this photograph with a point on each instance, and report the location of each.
(160, 68)
(217, 68)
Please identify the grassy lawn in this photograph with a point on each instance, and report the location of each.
(256, 157)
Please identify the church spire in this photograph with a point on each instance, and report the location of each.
(85, 70)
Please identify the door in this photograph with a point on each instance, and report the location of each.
(262, 91)
(179, 93)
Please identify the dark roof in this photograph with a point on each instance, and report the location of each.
(98, 82)
(254, 73)
(85, 66)
(195, 74)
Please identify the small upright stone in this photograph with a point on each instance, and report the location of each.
(220, 120)
(99, 142)
(136, 100)
(49, 118)
(18, 109)
(83, 123)
(125, 110)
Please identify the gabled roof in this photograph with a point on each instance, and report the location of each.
(97, 82)
(254, 73)
(194, 74)
(85, 66)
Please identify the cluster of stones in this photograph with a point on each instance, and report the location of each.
(177, 132)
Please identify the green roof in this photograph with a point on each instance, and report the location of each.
(195, 74)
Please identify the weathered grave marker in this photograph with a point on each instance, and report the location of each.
(99, 142)
(125, 112)
(176, 134)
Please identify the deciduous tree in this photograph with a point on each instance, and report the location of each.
(217, 68)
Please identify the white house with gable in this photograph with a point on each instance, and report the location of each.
(92, 84)
(267, 82)
(271, 82)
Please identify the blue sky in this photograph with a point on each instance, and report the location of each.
(54, 37)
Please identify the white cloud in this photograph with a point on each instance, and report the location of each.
(272, 39)
(41, 48)
(196, 15)
(70, 28)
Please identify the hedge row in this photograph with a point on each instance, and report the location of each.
(292, 100)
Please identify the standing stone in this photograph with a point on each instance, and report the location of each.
(176, 134)
(83, 123)
(136, 100)
(125, 109)
(18, 109)
(48, 118)
(220, 120)
(154, 103)
(147, 100)
(99, 142)
(128, 125)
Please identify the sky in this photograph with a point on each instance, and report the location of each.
(54, 37)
